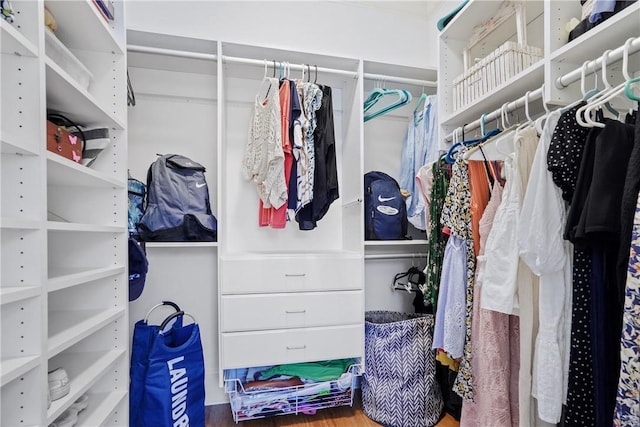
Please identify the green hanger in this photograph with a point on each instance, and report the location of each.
(419, 110)
(627, 89)
(403, 97)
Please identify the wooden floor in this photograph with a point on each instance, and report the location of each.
(342, 416)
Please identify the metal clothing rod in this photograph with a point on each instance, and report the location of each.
(395, 256)
(405, 80)
(495, 114)
(594, 65)
(172, 52)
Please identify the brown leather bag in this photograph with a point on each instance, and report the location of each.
(61, 142)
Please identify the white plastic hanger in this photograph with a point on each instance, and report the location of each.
(585, 95)
(610, 93)
(539, 122)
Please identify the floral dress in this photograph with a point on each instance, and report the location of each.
(627, 412)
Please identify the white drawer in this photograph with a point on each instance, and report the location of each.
(293, 310)
(294, 273)
(245, 349)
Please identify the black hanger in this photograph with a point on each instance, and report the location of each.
(415, 277)
(315, 80)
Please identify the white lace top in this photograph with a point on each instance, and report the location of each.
(263, 162)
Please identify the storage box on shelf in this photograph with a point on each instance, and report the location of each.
(501, 64)
(505, 66)
(59, 53)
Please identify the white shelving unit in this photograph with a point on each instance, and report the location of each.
(64, 288)
(218, 81)
(545, 28)
(302, 273)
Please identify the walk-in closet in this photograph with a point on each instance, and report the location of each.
(490, 281)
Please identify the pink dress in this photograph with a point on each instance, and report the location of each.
(495, 347)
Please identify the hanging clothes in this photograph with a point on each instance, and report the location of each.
(627, 210)
(594, 223)
(563, 161)
(297, 119)
(437, 239)
(456, 215)
(449, 331)
(495, 345)
(417, 147)
(311, 97)
(271, 216)
(627, 409)
(263, 162)
(325, 176)
(549, 257)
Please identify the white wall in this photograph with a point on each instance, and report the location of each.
(402, 33)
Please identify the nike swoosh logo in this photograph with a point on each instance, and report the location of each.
(385, 199)
(200, 185)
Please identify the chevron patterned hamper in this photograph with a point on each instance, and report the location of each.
(399, 388)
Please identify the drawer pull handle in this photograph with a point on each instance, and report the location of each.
(295, 275)
(300, 347)
(295, 311)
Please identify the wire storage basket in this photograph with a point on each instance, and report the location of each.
(301, 399)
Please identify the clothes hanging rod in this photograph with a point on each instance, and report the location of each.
(261, 63)
(310, 68)
(172, 52)
(395, 256)
(595, 65)
(495, 114)
(405, 80)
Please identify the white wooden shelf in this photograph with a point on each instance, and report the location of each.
(19, 224)
(394, 243)
(52, 205)
(84, 370)
(181, 244)
(61, 279)
(63, 94)
(10, 145)
(475, 12)
(13, 42)
(69, 327)
(64, 172)
(587, 46)
(71, 226)
(529, 79)
(15, 367)
(11, 294)
(101, 405)
(78, 18)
